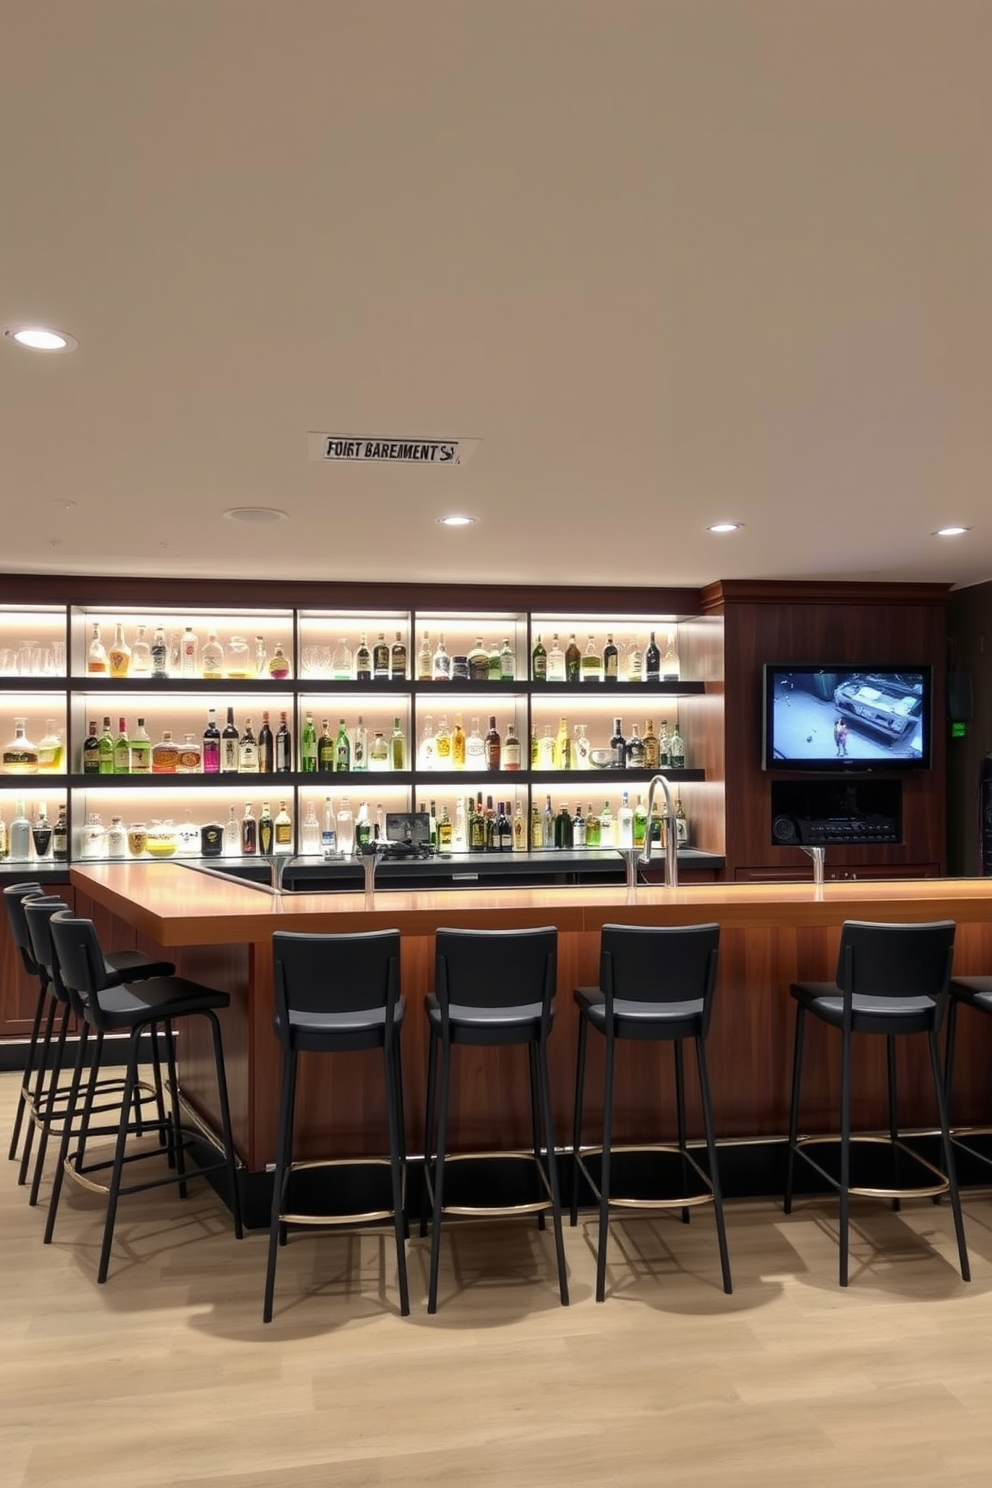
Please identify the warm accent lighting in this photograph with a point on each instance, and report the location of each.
(40, 338)
(725, 527)
(951, 531)
(456, 521)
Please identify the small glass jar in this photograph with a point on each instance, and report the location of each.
(116, 841)
(459, 669)
(188, 837)
(278, 663)
(161, 841)
(137, 839)
(50, 750)
(238, 662)
(94, 837)
(188, 760)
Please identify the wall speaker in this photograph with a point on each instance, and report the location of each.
(960, 699)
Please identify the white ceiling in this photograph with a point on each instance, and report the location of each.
(671, 261)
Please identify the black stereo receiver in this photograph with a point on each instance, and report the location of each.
(800, 831)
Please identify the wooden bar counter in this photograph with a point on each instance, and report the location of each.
(219, 931)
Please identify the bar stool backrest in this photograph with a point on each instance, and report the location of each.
(896, 961)
(38, 913)
(14, 896)
(81, 963)
(334, 973)
(496, 968)
(659, 964)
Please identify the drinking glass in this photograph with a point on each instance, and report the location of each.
(8, 662)
(56, 659)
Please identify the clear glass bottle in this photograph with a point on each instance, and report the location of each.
(342, 661)
(119, 655)
(426, 753)
(442, 744)
(19, 836)
(213, 658)
(563, 745)
(310, 832)
(189, 647)
(238, 660)
(188, 836)
(232, 835)
(556, 661)
(397, 747)
(165, 755)
(507, 661)
(96, 656)
(441, 663)
(580, 748)
(475, 748)
(548, 750)
(635, 664)
(625, 823)
(425, 659)
(51, 750)
(379, 751)
(607, 826)
(160, 655)
(278, 663)
(494, 663)
(671, 669)
(346, 828)
(94, 836)
(261, 657)
(511, 748)
(478, 662)
(141, 654)
(329, 831)
(664, 747)
(360, 746)
(248, 750)
(677, 750)
(548, 825)
(591, 668)
(635, 749)
(19, 756)
(190, 759)
(681, 824)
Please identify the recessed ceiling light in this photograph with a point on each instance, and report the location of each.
(41, 338)
(258, 514)
(951, 531)
(725, 527)
(455, 521)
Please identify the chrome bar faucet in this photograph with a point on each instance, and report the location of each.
(671, 834)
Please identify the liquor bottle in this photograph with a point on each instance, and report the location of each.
(494, 745)
(535, 747)
(329, 832)
(539, 662)
(536, 828)
(379, 825)
(160, 655)
(594, 828)
(444, 832)
(397, 747)
(519, 829)
(238, 661)
(493, 669)
(578, 828)
(229, 741)
(188, 652)
(507, 661)
(249, 832)
(363, 661)
(397, 658)
(380, 658)
(266, 747)
(432, 823)
(122, 749)
(459, 839)
(232, 835)
(426, 754)
(441, 663)
(563, 746)
(635, 669)
(475, 748)
(342, 749)
(310, 833)
(573, 660)
(210, 753)
(656, 826)
(41, 833)
(640, 821)
(681, 824)
(283, 747)
(141, 654)
(308, 746)
(19, 836)
(478, 662)
(119, 655)
(379, 752)
(650, 743)
(548, 750)
(91, 751)
(342, 661)
(4, 839)
(116, 841)
(618, 747)
(165, 755)
(425, 660)
(60, 838)
(50, 749)
(591, 667)
(363, 827)
(607, 827)
(664, 748)
(652, 661)
(187, 837)
(635, 750)
(548, 824)
(346, 828)
(492, 839)
(360, 746)
(248, 751)
(670, 668)
(563, 827)
(325, 749)
(625, 823)
(511, 748)
(504, 828)
(96, 656)
(265, 831)
(676, 749)
(211, 840)
(212, 659)
(580, 748)
(458, 744)
(283, 830)
(278, 663)
(261, 657)
(611, 661)
(106, 748)
(556, 661)
(442, 744)
(139, 751)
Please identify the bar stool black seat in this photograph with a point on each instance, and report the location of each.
(492, 988)
(103, 1005)
(973, 992)
(656, 984)
(892, 981)
(337, 994)
(43, 1062)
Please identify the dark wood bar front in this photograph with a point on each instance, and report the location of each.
(220, 932)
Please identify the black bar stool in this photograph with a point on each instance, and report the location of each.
(656, 984)
(336, 994)
(491, 988)
(42, 1023)
(134, 1008)
(892, 980)
(973, 992)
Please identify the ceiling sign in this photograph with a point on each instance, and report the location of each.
(389, 449)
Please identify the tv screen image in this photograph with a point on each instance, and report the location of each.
(847, 718)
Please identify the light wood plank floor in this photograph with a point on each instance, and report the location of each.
(166, 1375)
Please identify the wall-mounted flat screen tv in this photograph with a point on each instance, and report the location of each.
(847, 718)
